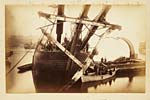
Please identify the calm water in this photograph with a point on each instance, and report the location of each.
(23, 83)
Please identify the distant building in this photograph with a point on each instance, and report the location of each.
(142, 48)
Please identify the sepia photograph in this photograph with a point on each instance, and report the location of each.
(68, 48)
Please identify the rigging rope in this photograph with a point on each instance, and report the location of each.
(17, 62)
(21, 59)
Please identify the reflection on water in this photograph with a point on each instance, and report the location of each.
(23, 83)
(119, 85)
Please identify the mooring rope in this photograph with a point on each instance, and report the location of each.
(20, 60)
(17, 62)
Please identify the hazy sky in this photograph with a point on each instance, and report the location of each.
(23, 20)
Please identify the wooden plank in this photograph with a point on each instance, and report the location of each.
(70, 19)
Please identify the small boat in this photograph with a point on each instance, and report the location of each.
(93, 77)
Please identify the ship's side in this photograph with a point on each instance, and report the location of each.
(49, 69)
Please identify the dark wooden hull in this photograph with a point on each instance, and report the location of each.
(49, 70)
(97, 78)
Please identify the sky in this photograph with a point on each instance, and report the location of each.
(23, 20)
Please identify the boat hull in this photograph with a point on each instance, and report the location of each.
(94, 78)
(49, 70)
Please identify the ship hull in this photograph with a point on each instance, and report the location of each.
(49, 70)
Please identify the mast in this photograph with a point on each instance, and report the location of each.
(59, 27)
(100, 18)
(75, 40)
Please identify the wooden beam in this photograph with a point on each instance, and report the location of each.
(75, 39)
(93, 28)
(71, 19)
(59, 27)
